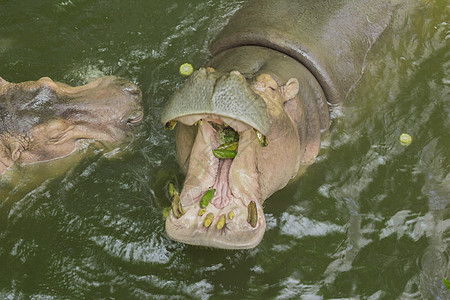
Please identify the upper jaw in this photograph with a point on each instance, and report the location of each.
(228, 211)
(225, 95)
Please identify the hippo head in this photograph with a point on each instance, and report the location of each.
(42, 120)
(221, 204)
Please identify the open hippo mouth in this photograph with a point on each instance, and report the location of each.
(220, 204)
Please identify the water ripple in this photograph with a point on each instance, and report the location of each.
(300, 226)
(136, 252)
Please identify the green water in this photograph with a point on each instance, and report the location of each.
(369, 220)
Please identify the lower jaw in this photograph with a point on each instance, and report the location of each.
(230, 225)
(237, 233)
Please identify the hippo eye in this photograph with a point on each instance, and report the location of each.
(272, 89)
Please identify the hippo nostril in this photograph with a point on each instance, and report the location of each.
(135, 117)
(131, 89)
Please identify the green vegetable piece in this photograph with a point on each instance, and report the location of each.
(446, 283)
(228, 135)
(224, 153)
(229, 146)
(207, 197)
(405, 139)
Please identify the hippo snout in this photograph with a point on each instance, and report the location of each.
(127, 101)
(136, 115)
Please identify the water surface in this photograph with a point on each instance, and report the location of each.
(369, 220)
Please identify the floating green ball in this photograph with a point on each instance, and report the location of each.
(405, 139)
(186, 69)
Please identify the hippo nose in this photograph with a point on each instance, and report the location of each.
(131, 89)
(135, 117)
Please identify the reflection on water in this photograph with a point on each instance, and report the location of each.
(370, 219)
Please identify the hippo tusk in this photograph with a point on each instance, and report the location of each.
(263, 140)
(177, 207)
(252, 217)
(170, 125)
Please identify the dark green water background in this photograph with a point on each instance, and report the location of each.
(369, 220)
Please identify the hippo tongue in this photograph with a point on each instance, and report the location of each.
(223, 195)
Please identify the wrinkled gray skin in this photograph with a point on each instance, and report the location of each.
(44, 120)
(295, 56)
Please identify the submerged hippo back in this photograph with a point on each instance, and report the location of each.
(330, 37)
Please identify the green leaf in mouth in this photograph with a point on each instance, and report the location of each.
(224, 153)
(229, 146)
(206, 198)
(228, 135)
(228, 143)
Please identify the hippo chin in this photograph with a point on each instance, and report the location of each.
(43, 120)
(274, 68)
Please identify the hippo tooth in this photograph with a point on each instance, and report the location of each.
(177, 207)
(252, 217)
(221, 222)
(170, 125)
(199, 122)
(208, 220)
(263, 140)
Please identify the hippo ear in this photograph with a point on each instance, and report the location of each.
(16, 150)
(290, 89)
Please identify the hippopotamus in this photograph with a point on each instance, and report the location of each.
(43, 120)
(254, 115)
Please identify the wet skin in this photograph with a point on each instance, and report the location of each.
(241, 183)
(44, 120)
(271, 78)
